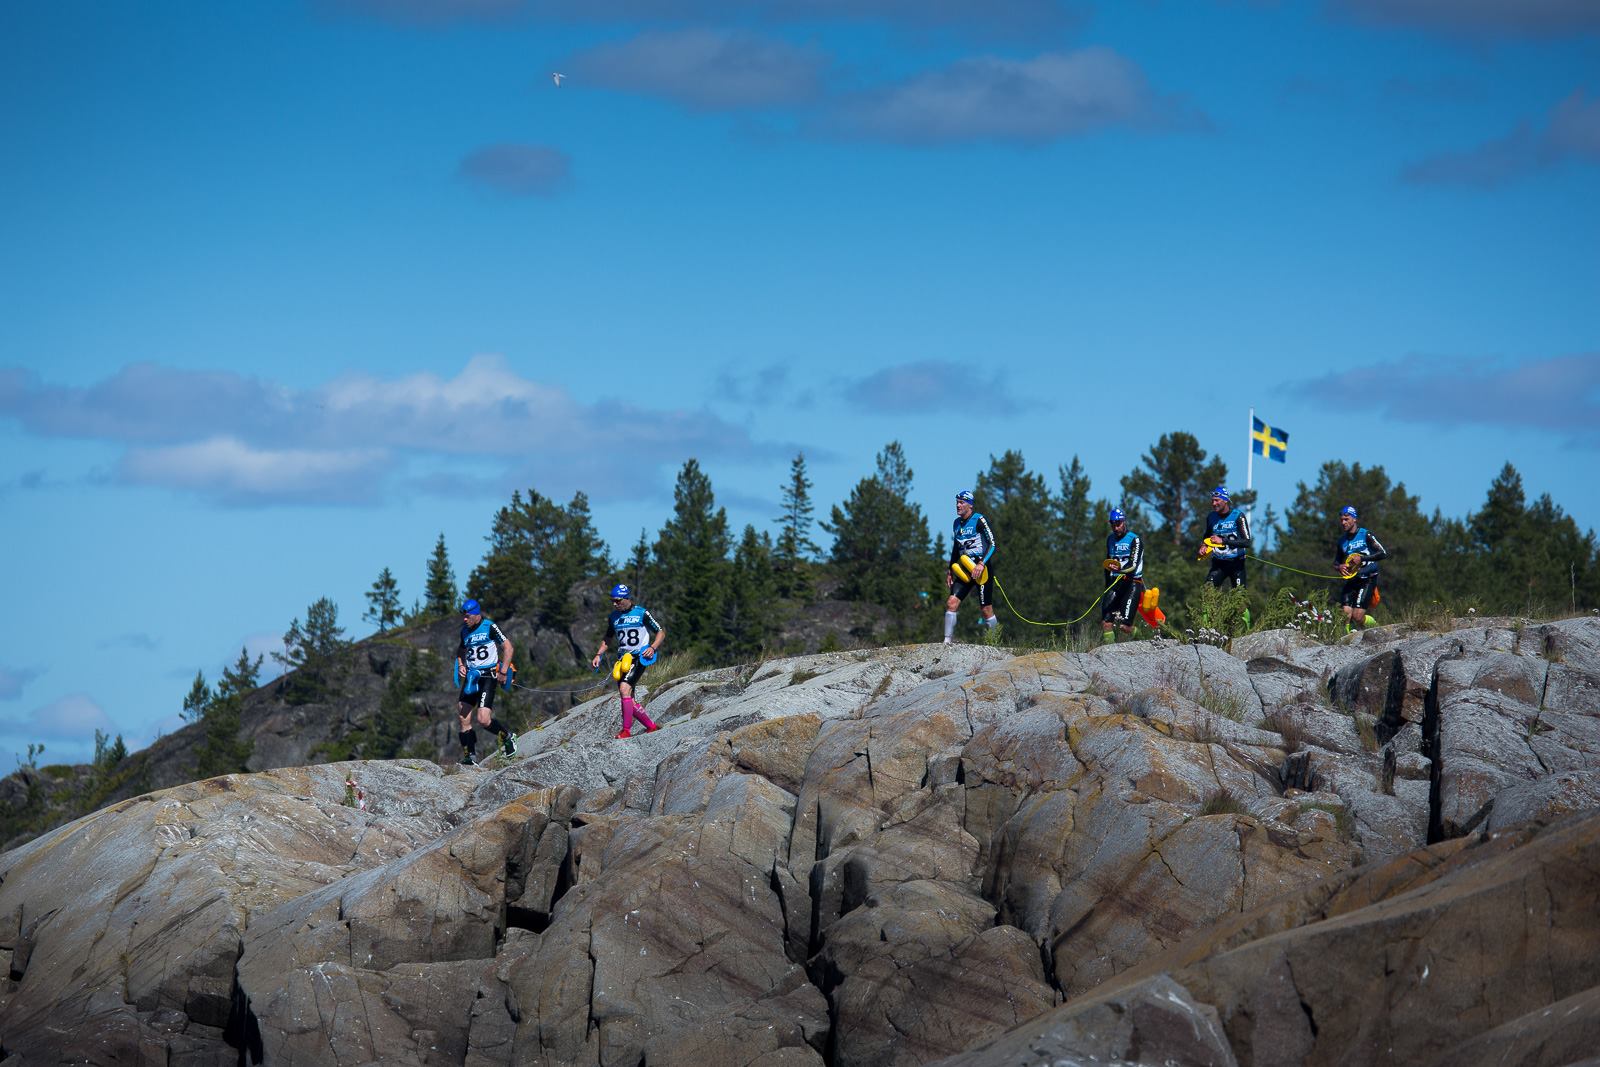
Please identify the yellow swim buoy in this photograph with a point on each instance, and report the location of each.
(963, 567)
(622, 666)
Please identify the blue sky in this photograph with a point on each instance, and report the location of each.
(291, 288)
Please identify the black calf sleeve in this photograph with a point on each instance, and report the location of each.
(496, 727)
(469, 739)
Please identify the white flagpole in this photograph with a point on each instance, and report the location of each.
(1250, 457)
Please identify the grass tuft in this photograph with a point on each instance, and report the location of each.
(1222, 802)
(1281, 722)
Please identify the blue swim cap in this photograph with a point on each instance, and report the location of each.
(1220, 492)
(1117, 516)
(1348, 510)
(964, 497)
(621, 592)
(471, 607)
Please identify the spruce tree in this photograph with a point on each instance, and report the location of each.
(1411, 575)
(538, 550)
(385, 734)
(312, 653)
(691, 556)
(440, 590)
(1078, 540)
(383, 601)
(794, 547)
(752, 610)
(880, 541)
(1175, 482)
(223, 751)
(639, 565)
(194, 705)
(1017, 505)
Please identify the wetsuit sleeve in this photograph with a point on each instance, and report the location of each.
(1240, 538)
(955, 545)
(1375, 550)
(650, 622)
(988, 538)
(1135, 555)
(494, 631)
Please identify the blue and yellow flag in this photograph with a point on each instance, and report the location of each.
(1265, 441)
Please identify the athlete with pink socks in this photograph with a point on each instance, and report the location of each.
(638, 638)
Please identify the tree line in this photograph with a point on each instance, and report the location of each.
(730, 598)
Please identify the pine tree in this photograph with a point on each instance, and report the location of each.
(440, 590)
(538, 550)
(385, 734)
(1176, 483)
(504, 582)
(1311, 534)
(383, 601)
(880, 541)
(577, 555)
(194, 705)
(1077, 541)
(312, 653)
(1017, 506)
(639, 564)
(795, 547)
(752, 611)
(691, 554)
(223, 751)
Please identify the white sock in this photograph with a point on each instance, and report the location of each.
(992, 620)
(949, 624)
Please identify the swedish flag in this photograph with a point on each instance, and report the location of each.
(1265, 441)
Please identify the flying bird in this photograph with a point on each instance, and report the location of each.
(556, 77)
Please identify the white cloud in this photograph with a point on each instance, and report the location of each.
(706, 68)
(994, 98)
(74, 717)
(237, 473)
(1571, 132)
(243, 441)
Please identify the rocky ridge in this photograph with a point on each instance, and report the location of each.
(880, 857)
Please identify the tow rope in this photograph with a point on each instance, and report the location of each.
(1308, 574)
(1074, 622)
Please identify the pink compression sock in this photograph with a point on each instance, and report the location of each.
(628, 708)
(638, 710)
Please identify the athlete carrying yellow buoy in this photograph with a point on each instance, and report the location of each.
(1361, 551)
(971, 565)
(1125, 592)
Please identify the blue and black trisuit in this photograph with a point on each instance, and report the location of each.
(1123, 600)
(1227, 563)
(971, 537)
(479, 652)
(632, 631)
(1357, 592)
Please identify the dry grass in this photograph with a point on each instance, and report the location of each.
(1343, 821)
(1222, 802)
(1281, 722)
(802, 675)
(1366, 732)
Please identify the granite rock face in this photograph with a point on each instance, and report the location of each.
(1288, 853)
